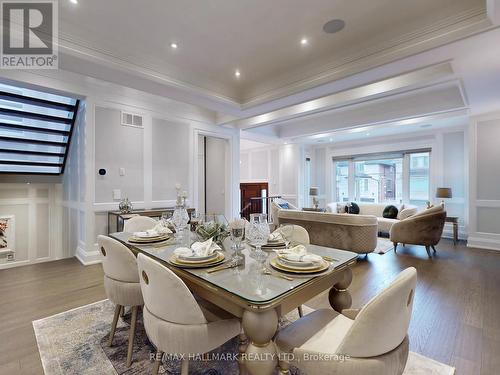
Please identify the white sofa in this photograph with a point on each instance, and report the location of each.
(377, 209)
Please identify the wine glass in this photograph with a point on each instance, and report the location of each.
(259, 234)
(180, 219)
(195, 221)
(166, 218)
(237, 232)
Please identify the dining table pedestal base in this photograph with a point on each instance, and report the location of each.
(339, 297)
(260, 357)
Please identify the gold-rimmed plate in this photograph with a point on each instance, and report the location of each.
(139, 240)
(299, 270)
(174, 259)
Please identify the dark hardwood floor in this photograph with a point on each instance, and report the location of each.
(456, 318)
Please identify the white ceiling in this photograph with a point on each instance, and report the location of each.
(261, 38)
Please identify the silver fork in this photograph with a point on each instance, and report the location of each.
(267, 271)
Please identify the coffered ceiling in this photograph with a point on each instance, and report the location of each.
(261, 39)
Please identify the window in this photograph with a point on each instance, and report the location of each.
(342, 181)
(379, 180)
(396, 177)
(35, 130)
(307, 178)
(419, 181)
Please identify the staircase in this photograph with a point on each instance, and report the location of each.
(35, 130)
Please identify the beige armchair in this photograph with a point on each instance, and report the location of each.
(424, 228)
(370, 341)
(121, 282)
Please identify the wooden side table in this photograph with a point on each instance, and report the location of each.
(454, 221)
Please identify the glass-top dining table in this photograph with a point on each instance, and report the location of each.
(258, 299)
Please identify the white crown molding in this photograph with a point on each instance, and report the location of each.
(405, 82)
(147, 70)
(445, 31)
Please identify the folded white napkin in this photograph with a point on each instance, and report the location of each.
(199, 249)
(276, 236)
(147, 233)
(299, 254)
(162, 229)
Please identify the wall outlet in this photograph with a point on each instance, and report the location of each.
(122, 171)
(117, 194)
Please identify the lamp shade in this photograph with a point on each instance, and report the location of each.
(314, 191)
(443, 193)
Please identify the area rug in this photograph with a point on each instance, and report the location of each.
(74, 342)
(384, 245)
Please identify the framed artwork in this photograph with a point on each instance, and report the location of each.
(7, 233)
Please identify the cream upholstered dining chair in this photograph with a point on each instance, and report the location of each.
(299, 236)
(139, 224)
(370, 341)
(175, 323)
(121, 282)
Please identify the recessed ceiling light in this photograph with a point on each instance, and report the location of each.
(173, 45)
(367, 134)
(73, 1)
(237, 73)
(333, 26)
(304, 42)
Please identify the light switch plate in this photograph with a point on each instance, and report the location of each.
(122, 171)
(117, 194)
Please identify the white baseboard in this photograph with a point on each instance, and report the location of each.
(88, 257)
(484, 242)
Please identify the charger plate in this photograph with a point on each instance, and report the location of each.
(134, 239)
(298, 270)
(196, 258)
(293, 263)
(196, 264)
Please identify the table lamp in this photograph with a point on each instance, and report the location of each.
(314, 192)
(443, 193)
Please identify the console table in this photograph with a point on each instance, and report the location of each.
(116, 219)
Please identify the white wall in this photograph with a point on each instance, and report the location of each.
(154, 158)
(215, 175)
(484, 203)
(281, 166)
(36, 208)
(449, 166)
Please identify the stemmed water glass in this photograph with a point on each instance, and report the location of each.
(237, 232)
(258, 235)
(180, 219)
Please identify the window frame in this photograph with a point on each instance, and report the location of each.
(406, 167)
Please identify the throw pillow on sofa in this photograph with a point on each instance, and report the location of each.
(390, 212)
(353, 209)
